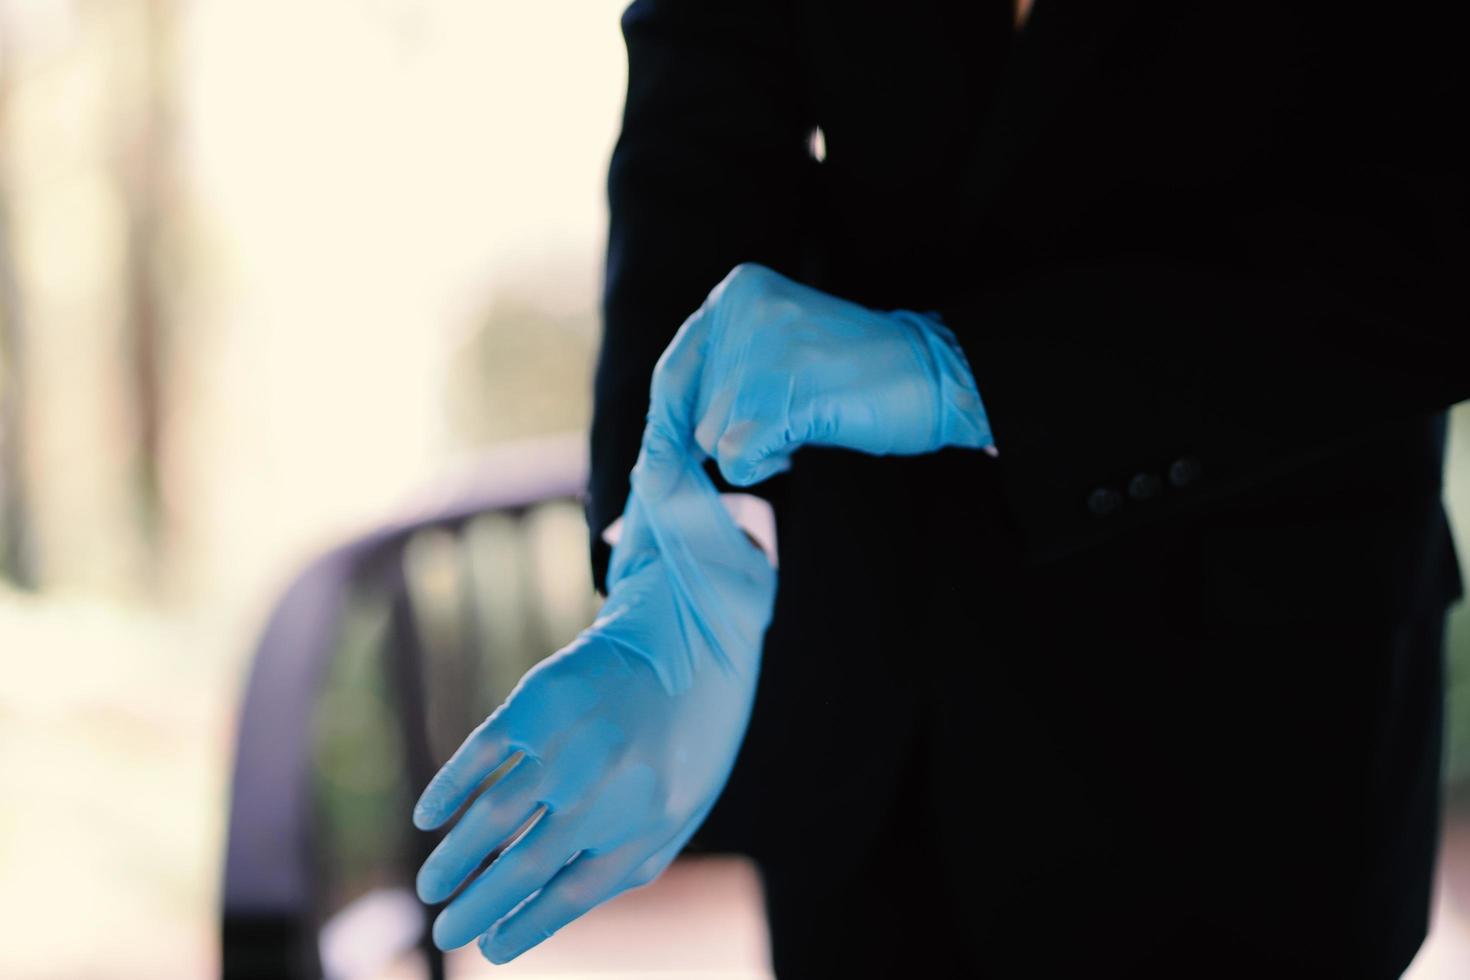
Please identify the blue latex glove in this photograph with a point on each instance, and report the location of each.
(626, 736)
(767, 365)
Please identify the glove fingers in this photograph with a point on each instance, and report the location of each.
(497, 814)
(767, 422)
(519, 871)
(750, 451)
(659, 469)
(513, 727)
(713, 412)
(577, 889)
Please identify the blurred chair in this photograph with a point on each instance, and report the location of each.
(379, 657)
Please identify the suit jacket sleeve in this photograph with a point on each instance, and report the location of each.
(706, 173)
(1127, 392)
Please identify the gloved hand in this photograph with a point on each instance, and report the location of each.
(626, 736)
(767, 365)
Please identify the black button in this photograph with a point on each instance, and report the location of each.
(1184, 471)
(1103, 501)
(1143, 486)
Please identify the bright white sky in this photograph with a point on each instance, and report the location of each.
(372, 172)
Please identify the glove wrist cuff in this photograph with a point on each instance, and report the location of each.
(960, 417)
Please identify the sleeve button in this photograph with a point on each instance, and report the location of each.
(1143, 486)
(1104, 501)
(1184, 471)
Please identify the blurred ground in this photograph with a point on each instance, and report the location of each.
(1446, 956)
(113, 747)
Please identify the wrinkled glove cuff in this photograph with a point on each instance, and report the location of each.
(960, 416)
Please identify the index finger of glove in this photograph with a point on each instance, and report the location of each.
(515, 726)
(495, 815)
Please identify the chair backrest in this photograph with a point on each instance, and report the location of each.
(442, 608)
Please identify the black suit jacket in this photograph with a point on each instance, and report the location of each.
(1200, 256)
(1160, 230)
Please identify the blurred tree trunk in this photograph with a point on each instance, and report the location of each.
(146, 175)
(16, 556)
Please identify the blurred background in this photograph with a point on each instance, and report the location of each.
(267, 271)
